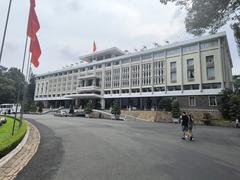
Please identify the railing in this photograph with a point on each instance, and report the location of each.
(88, 88)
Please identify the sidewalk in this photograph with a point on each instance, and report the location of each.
(11, 168)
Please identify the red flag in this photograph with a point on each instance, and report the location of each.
(32, 3)
(94, 47)
(35, 50)
(33, 27)
(33, 24)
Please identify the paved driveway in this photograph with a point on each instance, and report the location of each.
(94, 149)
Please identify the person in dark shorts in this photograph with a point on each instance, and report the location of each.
(190, 127)
(184, 124)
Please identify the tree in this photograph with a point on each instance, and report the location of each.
(165, 104)
(7, 90)
(116, 110)
(236, 82)
(40, 106)
(175, 109)
(209, 15)
(224, 106)
(88, 108)
(31, 88)
(234, 107)
(71, 110)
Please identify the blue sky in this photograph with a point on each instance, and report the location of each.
(69, 27)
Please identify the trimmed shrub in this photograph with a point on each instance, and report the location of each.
(175, 109)
(116, 110)
(88, 108)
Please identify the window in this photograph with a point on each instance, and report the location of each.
(192, 101)
(98, 66)
(173, 52)
(116, 63)
(190, 69)
(159, 54)
(173, 72)
(107, 64)
(124, 61)
(191, 48)
(90, 68)
(210, 67)
(136, 58)
(212, 101)
(210, 44)
(147, 56)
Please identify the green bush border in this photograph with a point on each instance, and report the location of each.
(10, 143)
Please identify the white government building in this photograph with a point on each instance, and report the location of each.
(193, 71)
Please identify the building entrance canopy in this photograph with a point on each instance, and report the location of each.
(84, 96)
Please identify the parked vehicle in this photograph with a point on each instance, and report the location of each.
(61, 113)
(9, 108)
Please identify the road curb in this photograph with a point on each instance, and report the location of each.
(10, 155)
(17, 159)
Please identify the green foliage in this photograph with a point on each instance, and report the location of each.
(236, 83)
(7, 90)
(40, 106)
(210, 15)
(229, 104)
(88, 107)
(31, 89)
(207, 118)
(175, 109)
(234, 109)
(10, 81)
(165, 104)
(7, 141)
(224, 103)
(116, 110)
(29, 107)
(71, 110)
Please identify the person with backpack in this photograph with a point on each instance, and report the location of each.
(184, 124)
(190, 127)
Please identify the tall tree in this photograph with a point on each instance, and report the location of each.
(236, 82)
(31, 88)
(7, 90)
(209, 15)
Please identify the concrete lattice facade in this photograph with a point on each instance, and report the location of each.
(187, 70)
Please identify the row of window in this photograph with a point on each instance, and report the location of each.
(155, 55)
(210, 69)
(212, 101)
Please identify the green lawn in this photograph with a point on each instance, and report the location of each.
(7, 141)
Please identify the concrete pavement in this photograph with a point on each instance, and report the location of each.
(18, 158)
(79, 148)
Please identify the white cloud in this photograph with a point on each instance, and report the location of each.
(68, 28)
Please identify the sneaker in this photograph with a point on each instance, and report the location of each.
(183, 138)
(191, 138)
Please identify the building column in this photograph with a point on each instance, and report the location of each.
(141, 103)
(102, 101)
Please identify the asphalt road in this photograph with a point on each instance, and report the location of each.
(94, 149)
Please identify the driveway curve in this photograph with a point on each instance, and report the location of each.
(94, 149)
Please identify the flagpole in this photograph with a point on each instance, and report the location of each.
(5, 29)
(20, 86)
(24, 89)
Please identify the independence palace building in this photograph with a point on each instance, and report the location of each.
(194, 72)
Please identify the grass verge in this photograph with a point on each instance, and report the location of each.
(7, 141)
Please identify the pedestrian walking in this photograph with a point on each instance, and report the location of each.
(184, 124)
(237, 122)
(190, 127)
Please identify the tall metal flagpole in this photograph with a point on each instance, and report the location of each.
(24, 88)
(5, 29)
(20, 86)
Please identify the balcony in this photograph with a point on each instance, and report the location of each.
(88, 89)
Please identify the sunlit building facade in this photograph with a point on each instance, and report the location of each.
(194, 72)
